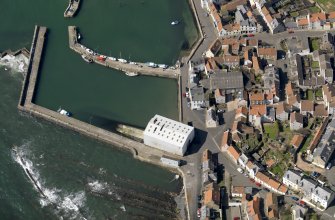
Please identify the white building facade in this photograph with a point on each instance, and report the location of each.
(168, 135)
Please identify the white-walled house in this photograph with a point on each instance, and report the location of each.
(292, 179)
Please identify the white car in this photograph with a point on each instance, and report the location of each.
(329, 165)
(239, 170)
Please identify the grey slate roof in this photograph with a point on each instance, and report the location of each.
(326, 146)
(323, 193)
(197, 93)
(223, 80)
(293, 176)
(308, 185)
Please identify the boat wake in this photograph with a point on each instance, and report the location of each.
(68, 206)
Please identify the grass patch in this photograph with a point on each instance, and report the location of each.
(272, 130)
(314, 9)
(315, 64)
(310, 95)
(318, 93)
(327, 5)
(306, 144)
(294, 14)
(314, 44)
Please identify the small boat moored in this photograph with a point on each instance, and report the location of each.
(87, 59)
(112, 58)
(163, 66)
(174, 23)
(63, 112)
(151, 64)
(122, 60)
(131, 73)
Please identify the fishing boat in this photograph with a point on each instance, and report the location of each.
(87, 59)
(79, 36)
(164, 66)
(122, 60)
(174, 23)
(133, 63)
(131, 73)
(63, 112)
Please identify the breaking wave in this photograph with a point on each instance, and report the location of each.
(68, 206)
(17, 63)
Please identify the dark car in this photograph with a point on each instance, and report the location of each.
(315, 174)
(199, 197)
(294, 198)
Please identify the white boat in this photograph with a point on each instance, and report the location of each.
(122, 60)
(133, 63)
(89, 51)
(112, 58)
(151, 64)
(87, 59)
(131, 73)
(63, 112)
(174, 23)
(79, 36)
(164, 66)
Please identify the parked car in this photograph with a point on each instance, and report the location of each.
(239, 170)
(294, 198)
(315, 174)
(329, 165)
(199, 213)
(199, 197)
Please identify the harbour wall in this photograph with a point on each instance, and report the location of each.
(138, 68)
(72, 8)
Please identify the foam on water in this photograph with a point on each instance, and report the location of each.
(67, 206)
(17, 63)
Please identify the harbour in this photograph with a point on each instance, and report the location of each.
(139, 150)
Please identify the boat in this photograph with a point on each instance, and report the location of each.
(151, 64)
(87, 59)
(79, 36)
(89, 51)
(131, 73)
(174, 23)
(63, 112)
(122, 60)
(133, 63)
(112, 58)
(164, 66)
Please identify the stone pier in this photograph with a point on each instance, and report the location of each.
(138, 68)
